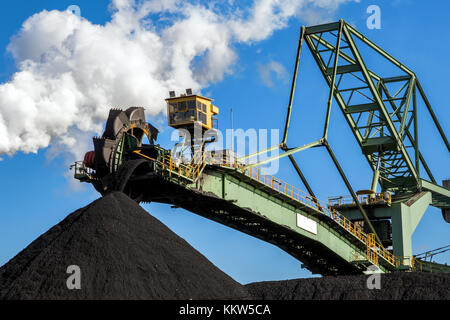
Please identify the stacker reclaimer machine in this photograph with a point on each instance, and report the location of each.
(345, 235)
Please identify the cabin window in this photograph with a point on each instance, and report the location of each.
(191, 104)
(182, 106)
(192, 115)
(202, 118)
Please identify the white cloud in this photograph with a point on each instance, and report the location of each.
(272, 68)
(71, 71)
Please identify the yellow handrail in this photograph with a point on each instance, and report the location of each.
(188, 171)
(374, 250)
(362, 198)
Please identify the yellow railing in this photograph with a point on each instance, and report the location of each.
(376, 249)
(363, 199)
(323, 208)
(188, 171)
(82, 172)
(371, 255)
(417, 265)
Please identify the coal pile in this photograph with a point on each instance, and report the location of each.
(393, 286)
(122, 252)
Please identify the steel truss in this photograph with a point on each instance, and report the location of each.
(380, 111)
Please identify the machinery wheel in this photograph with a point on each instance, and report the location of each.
(123, 175)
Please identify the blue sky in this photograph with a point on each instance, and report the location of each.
(36, 194)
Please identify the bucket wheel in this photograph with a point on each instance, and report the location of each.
(112, 158)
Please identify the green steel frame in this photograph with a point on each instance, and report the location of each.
(390, 116)
(234, 199)
(242, 202)
(383, 120)
(381, 112)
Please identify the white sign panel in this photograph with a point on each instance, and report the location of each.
(306, 224)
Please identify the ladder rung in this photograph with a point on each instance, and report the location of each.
(372, 125)
(357, 108)
(322, 28)
(353, 89)
(372, 145)
(344, 69)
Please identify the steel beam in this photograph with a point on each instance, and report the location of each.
(410, 136)
(378, 99)
(333, 79)
(294, 81)
(285, 154)
(435, 120)
(267, 207)
(352, 193)
(302, 177)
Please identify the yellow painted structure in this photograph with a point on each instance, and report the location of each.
(186, 110)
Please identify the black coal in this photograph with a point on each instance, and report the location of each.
(393, 286)
(122, 252)
(125, 253)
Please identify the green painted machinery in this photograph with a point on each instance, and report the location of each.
(345, 235)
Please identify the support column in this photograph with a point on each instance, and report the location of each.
(405, 218)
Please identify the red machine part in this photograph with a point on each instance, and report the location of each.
(89, 159)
